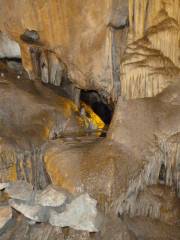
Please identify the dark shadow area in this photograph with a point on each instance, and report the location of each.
(13, 59)
(98, 104)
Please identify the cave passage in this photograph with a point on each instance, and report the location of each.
(98, 105)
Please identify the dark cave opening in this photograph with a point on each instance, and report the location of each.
(11, 59)
(13, 63)
(98, 104)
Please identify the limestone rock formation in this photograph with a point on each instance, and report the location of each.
(151, 60)
(51, 197)
(20, 190)
(51, 205)
(80, 214)
(36, 213)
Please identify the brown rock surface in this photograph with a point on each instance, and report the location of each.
(139, 161)
(80, 34)
(30, 115)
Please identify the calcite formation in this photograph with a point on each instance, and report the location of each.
(151, 60)
(20, 190)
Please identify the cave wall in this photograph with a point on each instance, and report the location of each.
(82, 35)
(95, 43)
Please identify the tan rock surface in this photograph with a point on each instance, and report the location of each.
(80, 34)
